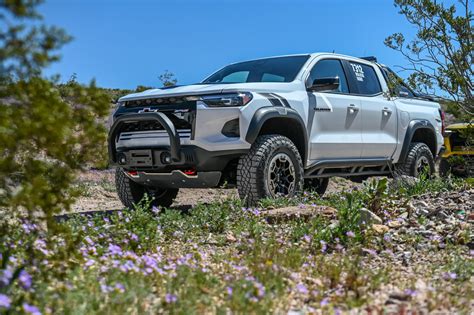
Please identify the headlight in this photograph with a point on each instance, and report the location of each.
(224, 100)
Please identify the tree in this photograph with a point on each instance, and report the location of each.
(168, 78)
(47, 133)
(441, 55)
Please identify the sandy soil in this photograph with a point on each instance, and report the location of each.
(98, 192)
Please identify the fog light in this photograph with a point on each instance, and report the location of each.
(165, 158)
(122, 159)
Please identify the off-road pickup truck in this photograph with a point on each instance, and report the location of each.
(271, 127)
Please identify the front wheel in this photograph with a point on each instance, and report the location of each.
(130, 193)
(272, 168)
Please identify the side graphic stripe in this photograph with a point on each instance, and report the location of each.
(274, 100)
(282, 99)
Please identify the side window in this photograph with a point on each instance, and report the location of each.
(268, 77)
(330, 68)
(236, 77)
(396, 84)
(366, 78)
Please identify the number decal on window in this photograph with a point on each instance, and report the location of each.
(358, 71)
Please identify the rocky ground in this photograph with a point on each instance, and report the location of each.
(420, 248)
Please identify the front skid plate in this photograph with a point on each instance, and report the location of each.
(177, 179)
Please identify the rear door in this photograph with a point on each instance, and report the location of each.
(378, 113)
(334, 122)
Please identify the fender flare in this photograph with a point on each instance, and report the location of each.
(413, 126)
(263, 114)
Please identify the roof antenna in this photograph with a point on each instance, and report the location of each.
(333, 51)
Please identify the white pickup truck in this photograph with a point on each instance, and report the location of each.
(271, 127)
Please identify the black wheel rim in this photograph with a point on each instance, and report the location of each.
(281, 175)
(422, 164)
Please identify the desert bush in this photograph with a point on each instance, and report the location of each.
(47, 132)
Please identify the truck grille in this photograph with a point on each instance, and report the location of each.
(181, 113)
(180, 122)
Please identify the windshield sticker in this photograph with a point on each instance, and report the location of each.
(358, 71)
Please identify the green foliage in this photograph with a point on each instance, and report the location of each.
(440, 55)
(426, 184)
(47, 133)
(168, 78)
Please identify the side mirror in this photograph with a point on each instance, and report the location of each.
(324, 84)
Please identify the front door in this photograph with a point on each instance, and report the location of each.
(334, 122)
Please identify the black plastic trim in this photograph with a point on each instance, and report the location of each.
(413, 126)
(265, 113)
(344, 163)
(175, 142)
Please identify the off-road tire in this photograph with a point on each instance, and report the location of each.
(444, 168)
(253, 168)
(416, 152)
(318, 185)
(131, 193)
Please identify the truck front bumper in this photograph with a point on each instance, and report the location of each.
(164, 158)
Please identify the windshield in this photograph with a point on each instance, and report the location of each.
(279, 69)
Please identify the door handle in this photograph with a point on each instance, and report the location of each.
(352, 109)
(386, 111)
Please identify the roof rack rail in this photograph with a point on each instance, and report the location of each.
(370, 58)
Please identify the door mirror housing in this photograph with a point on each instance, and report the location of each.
(324, 84)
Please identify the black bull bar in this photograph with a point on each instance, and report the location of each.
(175, 143)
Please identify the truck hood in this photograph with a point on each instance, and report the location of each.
(201, 89)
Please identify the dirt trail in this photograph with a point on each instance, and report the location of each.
(98, 192)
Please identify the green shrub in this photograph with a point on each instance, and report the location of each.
(47, 133)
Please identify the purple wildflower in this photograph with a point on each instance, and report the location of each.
(134, 237)
(170, 298)
(6, 276)
(301, 288)
(260, 289)
(229, 291)
(31, 309)
(324, 247)
(350, 234)
(105, 288)
(450, 275)
(324, 302)
(387, 238)
(4, 301)
(115, 249)
(89, 263)
(307, 238)
(120, 287)
(155, 210)
(88, 240)
(25, 280)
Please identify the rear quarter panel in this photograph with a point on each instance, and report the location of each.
(409, 109)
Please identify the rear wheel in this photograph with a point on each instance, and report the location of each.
(131, 193)
(272, 168)
(444, 168)
(419, 161)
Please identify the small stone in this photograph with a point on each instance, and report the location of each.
(368, 217)
(394, 224)
(399, 296)
(231, 238)
(380, 228)
(404, 215)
